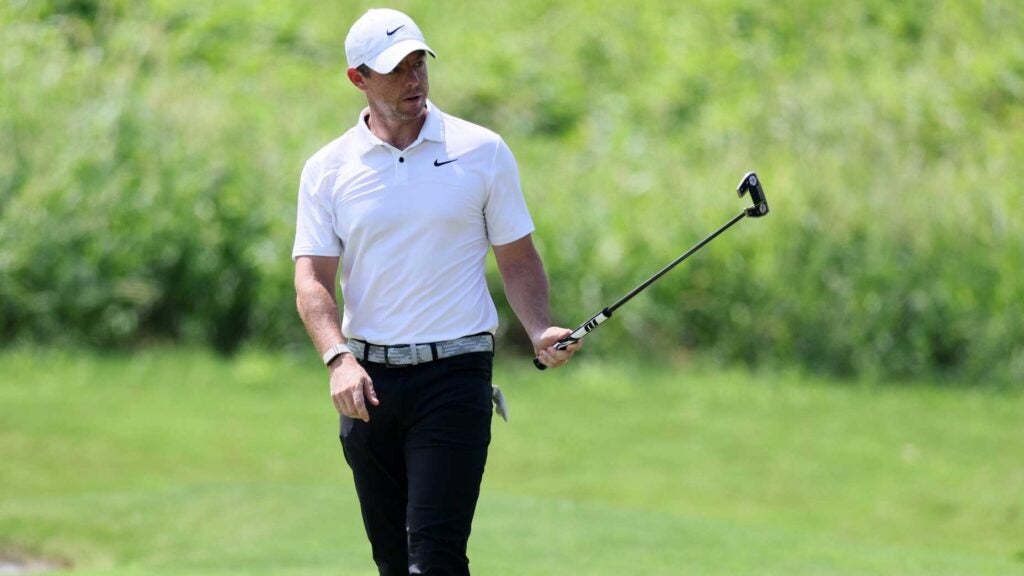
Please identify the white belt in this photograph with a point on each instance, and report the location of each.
(413, 354)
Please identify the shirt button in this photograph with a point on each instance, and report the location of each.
(401, 159)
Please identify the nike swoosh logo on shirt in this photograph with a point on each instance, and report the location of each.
(439, 163)
(391, 32)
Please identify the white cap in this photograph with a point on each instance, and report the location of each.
(381, 38)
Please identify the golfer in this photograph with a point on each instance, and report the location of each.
(408, 202)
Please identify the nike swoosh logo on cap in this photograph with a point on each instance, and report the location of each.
(439, 163)
(391, 32)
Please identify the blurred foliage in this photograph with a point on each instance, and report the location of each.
(150, 154)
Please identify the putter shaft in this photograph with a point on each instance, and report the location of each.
(749, 183)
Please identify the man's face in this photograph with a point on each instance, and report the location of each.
(401, 94)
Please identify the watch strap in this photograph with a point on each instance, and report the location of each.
(335, 351)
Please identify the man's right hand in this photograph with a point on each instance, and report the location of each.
(351, 388)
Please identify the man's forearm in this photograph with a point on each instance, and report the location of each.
(526, 287)
(319, 312)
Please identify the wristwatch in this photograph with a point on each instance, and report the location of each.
(335, 351)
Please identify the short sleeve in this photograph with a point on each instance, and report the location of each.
(314, 226)
(508, 218)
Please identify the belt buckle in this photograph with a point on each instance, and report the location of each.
(387, 359)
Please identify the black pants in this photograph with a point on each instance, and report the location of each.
(418, 462)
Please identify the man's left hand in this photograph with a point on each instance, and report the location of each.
(544, 347)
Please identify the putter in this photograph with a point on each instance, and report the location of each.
(750, 183)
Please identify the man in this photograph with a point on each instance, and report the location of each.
(409, 201)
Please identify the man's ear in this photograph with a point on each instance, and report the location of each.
(356, 78)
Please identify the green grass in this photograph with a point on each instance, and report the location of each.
(179, 462)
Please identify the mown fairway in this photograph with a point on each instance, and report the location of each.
(149, 156)
(177, 462)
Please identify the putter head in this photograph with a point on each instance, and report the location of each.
(751, 183)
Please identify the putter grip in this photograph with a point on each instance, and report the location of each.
(578, 334)
(561, 345)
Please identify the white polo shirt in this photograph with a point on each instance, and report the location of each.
(412, 227)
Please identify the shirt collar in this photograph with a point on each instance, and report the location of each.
(433, 130)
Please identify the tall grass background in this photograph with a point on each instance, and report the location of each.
(150, 151)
